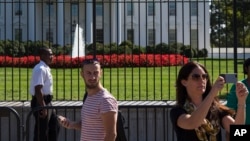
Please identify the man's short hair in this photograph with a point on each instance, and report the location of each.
(43, 50)
(90, 61)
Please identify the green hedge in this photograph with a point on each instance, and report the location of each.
(20, 49)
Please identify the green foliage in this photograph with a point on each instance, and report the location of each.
(29, 48)
(127, 43)
(202, 53)
(161, 48)
(67, 49)
(110, 49)
(138, 50)
(223, 23)
(175, 48)
(126, 47)
(189, 52)
(13, 48)
(149, 49)
(19, 49)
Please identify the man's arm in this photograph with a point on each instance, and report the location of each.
(40, 100)
(109, 121)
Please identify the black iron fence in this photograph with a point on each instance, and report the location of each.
(11, 124)
(138, 40)
(143, 121)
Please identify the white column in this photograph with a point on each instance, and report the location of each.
(31, 20)
(89, 22)
(60, 23)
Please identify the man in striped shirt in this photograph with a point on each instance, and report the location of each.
(99, 111)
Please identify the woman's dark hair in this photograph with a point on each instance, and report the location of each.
(181, 92)
(245, 65)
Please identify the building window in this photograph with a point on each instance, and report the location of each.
(18, 34)
(151, 36)
(18, 8)
(74, 9)
(49, 9)
(194, 38)
(99, 9)
(172, 36)
(172, 8)
(49, 35)
(130, 9)
(151, 9)
(194, 8)
(130, 35)
(99, 35)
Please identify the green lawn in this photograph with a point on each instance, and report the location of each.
(124, 83)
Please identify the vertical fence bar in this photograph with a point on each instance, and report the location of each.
(235, 40)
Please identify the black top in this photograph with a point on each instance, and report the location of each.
(184, 134)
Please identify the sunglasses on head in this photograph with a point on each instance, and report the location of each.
(197, 77)
(90, 61)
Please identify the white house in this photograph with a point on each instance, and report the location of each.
(145, 22)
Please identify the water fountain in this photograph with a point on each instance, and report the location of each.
(78, 49)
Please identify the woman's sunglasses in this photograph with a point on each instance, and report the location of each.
(197, 77)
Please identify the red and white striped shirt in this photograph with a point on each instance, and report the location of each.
(92, 128)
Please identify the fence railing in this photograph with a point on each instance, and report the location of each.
(144, 120)
(11, 124)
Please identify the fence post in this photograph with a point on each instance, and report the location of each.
(6, 112)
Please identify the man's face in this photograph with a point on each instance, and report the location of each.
(91, 74)
(47, 56)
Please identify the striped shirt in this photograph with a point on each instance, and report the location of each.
(92, 128)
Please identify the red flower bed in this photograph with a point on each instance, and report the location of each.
(65, 61)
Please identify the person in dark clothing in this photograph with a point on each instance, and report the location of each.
(41, 88)
(198, 114)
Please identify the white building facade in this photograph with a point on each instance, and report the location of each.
(144, 22)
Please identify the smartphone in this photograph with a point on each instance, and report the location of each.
(229, 77)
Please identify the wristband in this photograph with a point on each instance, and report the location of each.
(241, 105)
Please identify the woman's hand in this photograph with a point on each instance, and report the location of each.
(218, 85)
(241, 93)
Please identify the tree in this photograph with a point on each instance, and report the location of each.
(223, 23)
